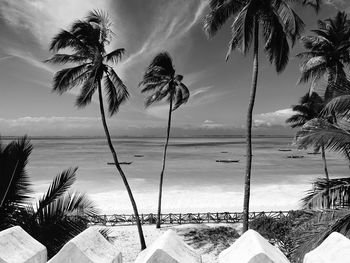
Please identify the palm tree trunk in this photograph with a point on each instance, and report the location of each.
(327, 176)
(249, 128)
(117, 165)
(163, 165)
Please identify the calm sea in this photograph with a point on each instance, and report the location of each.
(194, 182)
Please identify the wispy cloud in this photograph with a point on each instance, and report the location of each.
(174, 21)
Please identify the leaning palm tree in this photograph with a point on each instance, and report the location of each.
(279, 23)
(161, 80)
(310, 107)
(58, 213)
(87, 39)
(326, 55)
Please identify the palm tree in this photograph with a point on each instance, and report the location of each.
(279, 23)
(335, 137)
(161, 80)
(58, 213)
(327, 54)
(87, 39)
(310, 107)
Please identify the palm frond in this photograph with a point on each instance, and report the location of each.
(336, 192)
(181, 96)
(66, 39)
(66, 58)
(321, 132)
(15, 186)
(68, 78)
(338, 106)
(115, 56)
(242, 30)
(117, 93)
(220, 12)
(59, 186)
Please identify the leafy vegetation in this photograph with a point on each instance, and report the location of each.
(212, 238)
(58, 213)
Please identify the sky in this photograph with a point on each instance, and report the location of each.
(219, 89)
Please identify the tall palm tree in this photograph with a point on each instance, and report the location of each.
(310, 107)
(161, 80)
(87, 39)
(326, 55)
(52, 215)
(279, 23)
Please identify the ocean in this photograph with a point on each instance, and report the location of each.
(193, 182)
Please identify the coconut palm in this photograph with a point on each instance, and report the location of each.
(161, 80)
(58, 213)
(335, 137)
(309, 107)
(278, 23)
(327, 54)
(87, 39)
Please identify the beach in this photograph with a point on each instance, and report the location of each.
(127, 242)
(194, 181)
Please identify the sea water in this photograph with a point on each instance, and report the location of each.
(193, 180)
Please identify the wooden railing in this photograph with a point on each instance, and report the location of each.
(189, 218)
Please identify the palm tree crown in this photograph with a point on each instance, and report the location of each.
(309, 107)
(160, 78)
(327, 53)
(278, 20)
(87, 39)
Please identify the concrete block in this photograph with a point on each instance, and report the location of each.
(88, 247)
(251, 247)
(169, 248)
(17, 246)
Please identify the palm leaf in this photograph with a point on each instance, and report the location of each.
(335, 191)
(68, 78)
(115, 56)
(61, 183)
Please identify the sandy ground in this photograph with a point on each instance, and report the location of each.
(127, 239)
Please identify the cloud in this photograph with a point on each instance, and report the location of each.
(276, 118)
(209, 124)
(43, 18)
(173, 22)
(158, 111)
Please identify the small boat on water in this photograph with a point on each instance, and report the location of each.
(285, 150)
(121, 163)
(138, 155)
(227, 161)
(224, 152)
(295, 156)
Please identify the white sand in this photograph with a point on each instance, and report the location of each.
(127, 239)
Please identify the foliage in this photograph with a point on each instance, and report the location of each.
(87, 39)
(278, 20)
(337, 189)
(212, 238)
(309, 107)
(316, 229)
(327, 54)
(58, 215)
(281, 231)
(160, 79)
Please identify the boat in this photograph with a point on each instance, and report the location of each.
(314, 153)
(121, 163)
(285, 150)
(295, 156)
(224, 152)
(227, 161)
(138, 155)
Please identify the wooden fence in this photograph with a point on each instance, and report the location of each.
(189, 218)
